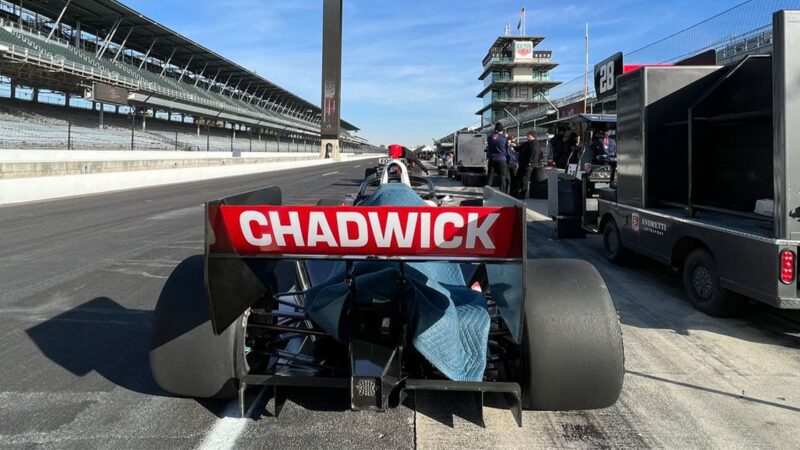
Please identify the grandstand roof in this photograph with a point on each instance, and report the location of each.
(99, 16)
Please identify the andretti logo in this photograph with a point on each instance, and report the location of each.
(648, 225)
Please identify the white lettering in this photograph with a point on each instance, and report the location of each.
(345, 218)
(392, 230)
(246, 221)
(425, 230)
(439, 228)
(319, 231)
(280, 231)
(475, 232)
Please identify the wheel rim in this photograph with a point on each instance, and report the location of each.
(612, 242)
(703, 282)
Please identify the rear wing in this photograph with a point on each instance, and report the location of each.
(247, 234)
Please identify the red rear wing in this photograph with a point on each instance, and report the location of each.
(388, 232)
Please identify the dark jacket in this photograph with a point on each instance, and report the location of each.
(513, 156)
(497, 148)
(529, 154)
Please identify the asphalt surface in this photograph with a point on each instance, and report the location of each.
(79, 279)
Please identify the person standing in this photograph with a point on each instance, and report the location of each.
(513, 164)
(557, 146)
(529, 155)
(497, 153)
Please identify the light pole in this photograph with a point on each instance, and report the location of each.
(515, 120)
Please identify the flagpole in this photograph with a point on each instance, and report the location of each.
(524, 21)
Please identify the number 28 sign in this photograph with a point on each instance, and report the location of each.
(605, 76)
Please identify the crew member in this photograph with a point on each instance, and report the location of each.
(529, 155)
(497, 152)
(557, 146)
(513, 163)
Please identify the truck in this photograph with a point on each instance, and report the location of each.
(708, 175)
(470, 158)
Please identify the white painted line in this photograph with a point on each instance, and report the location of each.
(329, 173)
(357, 166)
(226, 431)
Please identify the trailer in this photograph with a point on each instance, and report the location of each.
(470, 159)
(708, 176)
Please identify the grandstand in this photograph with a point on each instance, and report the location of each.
(168, 92)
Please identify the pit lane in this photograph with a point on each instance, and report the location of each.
(80, 278)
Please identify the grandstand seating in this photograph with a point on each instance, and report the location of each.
(144, 80)
(25, 124)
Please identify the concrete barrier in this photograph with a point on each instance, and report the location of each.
(21, 190)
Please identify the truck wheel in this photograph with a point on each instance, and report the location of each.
(701, 281)
(572, 355)
(612, 244)
(186, 357)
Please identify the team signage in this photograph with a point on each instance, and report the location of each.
(523, 50)
(605, 76)
(346, 231)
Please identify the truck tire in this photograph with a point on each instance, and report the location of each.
(612, 244)
(572, 355)
(701, 281)
(186, 357)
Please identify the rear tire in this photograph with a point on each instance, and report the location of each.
(612, 244)
(186, 357)
(370, 171)
(702, 285)
(572, 354)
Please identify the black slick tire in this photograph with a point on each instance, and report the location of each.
(186, 357)
(572, 354)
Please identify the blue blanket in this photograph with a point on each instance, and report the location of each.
(449, 322)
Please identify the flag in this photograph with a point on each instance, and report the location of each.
(521, 18)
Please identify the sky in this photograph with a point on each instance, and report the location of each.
(411, 67)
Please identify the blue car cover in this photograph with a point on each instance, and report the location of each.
(449, 322)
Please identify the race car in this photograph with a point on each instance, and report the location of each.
(382, 297)
(398, 172)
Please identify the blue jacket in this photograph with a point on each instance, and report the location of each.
(497, 148)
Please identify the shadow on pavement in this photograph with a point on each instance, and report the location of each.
(105, 337)
(444, 407)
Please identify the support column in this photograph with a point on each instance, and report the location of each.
(35, 97)
(77, 34)
(13, 89)
(102, 110)
(144, 119)
(331, 78)
(67, 98)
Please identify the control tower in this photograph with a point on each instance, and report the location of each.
(516, 77)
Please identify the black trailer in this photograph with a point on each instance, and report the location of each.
(708, 175)
(470, 158)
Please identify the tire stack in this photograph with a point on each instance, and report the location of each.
(470, 179)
